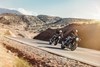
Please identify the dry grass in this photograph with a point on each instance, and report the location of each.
(8, 59)
(20, 62)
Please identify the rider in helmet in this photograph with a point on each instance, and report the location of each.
(75, 32)
(58, 35)
(72, 34)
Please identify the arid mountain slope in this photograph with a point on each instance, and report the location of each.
(27, 25)
(5, 10)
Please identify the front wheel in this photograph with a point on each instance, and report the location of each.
(73, 47)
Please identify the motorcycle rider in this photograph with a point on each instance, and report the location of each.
(71, 36)
(74, 34)
(58, 35)
(71, 42)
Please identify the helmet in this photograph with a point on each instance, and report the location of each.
(60, 31)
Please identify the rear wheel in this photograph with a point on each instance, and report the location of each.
(62, 46)
(50, 41)
(55, 42)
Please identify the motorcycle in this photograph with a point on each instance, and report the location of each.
(55, 39)
(70, 43)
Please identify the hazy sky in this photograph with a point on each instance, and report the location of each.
(62, 8)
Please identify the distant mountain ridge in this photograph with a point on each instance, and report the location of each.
(37, 22)
(26, 25)
(45, 18)
(5, 10)
(58, 20)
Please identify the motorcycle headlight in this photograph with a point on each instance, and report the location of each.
(59, 37)
(77, 39)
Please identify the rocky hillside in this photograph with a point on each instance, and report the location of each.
(58, 20)
(49, 19)
(24, 25)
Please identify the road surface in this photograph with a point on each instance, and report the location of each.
(88, 56)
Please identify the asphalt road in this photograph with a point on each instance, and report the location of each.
(88, 56)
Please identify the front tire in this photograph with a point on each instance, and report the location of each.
(73, 47)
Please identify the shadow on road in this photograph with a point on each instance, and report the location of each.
(42, 43)
(53, 48)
